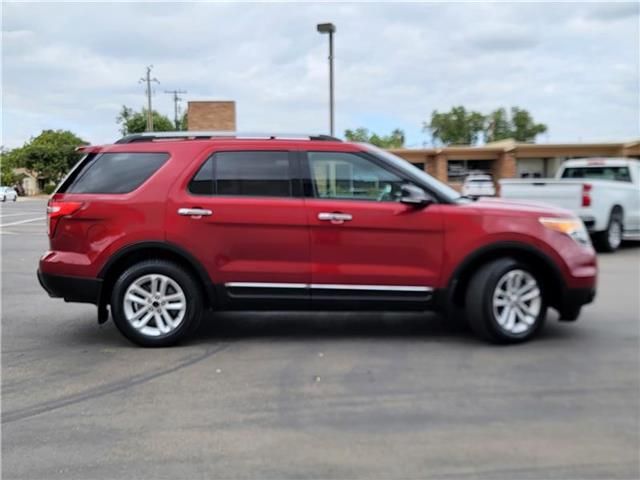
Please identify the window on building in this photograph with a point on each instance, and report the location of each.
(352, 177)
(253, 173)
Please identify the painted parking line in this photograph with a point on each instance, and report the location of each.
(2, 214)
(20, 222)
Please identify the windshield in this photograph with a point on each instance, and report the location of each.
(440, 188)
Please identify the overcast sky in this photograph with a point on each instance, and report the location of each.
(574, 66)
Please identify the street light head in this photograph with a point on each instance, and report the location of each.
(326, 28)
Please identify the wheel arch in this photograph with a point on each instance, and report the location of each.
(137, 252)
(539, 262)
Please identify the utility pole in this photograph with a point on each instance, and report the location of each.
(147, 79)
(176, 107)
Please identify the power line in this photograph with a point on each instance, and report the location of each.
(147, 79)
(176, 106)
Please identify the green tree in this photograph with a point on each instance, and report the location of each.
(394, 140)
(182, 123)
(131, 121)
(49, 155)
(518, 124)
(456, 127)
(498, 126)
(524, 127)
(8, 162)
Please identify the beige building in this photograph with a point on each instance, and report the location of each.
(508, 159)
(31, 184)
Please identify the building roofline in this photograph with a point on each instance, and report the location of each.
(509, 146)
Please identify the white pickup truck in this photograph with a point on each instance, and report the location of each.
(603, 192)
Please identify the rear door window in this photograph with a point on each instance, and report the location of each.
(247, 174)
(116, 172)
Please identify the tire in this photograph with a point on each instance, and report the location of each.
(146, 320)
(489, 298)
(611, 239)
(15, 198)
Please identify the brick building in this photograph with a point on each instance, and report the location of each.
(211, 115)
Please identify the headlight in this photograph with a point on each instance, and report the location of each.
(572, 227)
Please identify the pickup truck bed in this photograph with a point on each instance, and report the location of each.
(605, 204)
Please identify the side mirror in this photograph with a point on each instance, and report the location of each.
(415, 196)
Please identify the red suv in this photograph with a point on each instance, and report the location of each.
(161, 227)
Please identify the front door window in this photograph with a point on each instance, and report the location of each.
(338, 175)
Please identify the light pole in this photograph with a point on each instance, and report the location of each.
(329, 28)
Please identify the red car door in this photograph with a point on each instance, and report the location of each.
(365, 244)
(241, 216)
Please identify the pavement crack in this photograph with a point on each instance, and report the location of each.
(48, 406)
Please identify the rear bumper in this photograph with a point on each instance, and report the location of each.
(572, 301)
(72, 289)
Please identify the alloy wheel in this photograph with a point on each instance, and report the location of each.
(615, 234)
(517, 301)
(154, 305)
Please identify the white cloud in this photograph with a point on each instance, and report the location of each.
(574, 66)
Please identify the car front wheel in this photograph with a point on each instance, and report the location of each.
(156, 303)
(505, 302)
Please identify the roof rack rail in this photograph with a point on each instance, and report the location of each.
(196, 135)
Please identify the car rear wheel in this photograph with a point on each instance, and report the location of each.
(505, 302)
(156, 303)
(611, 238)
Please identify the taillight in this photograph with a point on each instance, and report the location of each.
(56, 210)
(586, 195)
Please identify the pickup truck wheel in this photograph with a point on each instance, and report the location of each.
(505, 302)
(611, 238)
(156, 303)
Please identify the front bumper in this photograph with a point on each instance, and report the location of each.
(573, 300)
(72, 289)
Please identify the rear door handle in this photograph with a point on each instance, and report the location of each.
(335, 217)
(194, 212)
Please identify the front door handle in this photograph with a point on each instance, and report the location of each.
(335, 217)
(194, 212)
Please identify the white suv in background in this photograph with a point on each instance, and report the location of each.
(478, 185)
(8, 193)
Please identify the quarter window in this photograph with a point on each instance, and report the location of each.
(352, 177)
(255, 174)
(116, 172)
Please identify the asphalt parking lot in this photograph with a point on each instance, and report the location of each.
(292, 395)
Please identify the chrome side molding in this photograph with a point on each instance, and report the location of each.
(328, 286)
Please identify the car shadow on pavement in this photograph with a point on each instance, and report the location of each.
(304, 326)
(309, 326)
